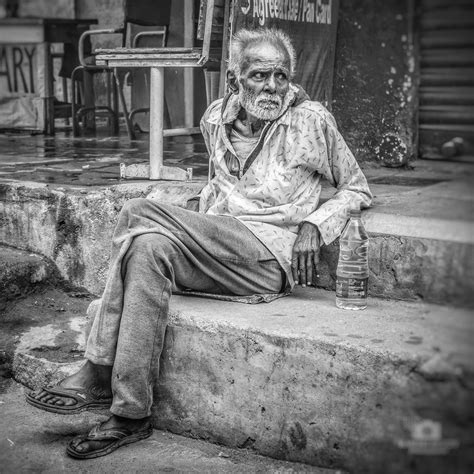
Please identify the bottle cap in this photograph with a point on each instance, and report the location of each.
(354, 213)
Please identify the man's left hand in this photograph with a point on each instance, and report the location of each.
(305, 258)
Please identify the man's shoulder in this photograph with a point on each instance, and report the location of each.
(314, 109)
(213, 111)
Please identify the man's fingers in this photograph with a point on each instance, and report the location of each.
(309, 268)
(294, 267)
(302, 268)
(316, 266)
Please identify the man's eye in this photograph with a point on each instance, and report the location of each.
(280, 76)
(259, 75)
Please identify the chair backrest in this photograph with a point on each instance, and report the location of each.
(147, 12)
(217, 19)
(206, 22)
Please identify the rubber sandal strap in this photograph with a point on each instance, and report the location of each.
(115, 437)
(78, 394)
(99, 434)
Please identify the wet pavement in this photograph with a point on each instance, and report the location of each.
(93, 161)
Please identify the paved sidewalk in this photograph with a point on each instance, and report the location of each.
(34, 441)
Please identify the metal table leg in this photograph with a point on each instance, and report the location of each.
(157, 91)
(48, 89)
(156, 170)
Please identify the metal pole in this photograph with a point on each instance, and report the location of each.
(156, 121)
(49, 90)
(188, 71)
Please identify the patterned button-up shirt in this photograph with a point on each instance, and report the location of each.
(282, 187)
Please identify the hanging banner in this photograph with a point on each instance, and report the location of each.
(312, 26)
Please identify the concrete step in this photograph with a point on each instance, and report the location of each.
(300, 380)
(21, 272)
(422, 236)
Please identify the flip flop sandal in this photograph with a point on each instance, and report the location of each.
(84, 401)
(117, 436)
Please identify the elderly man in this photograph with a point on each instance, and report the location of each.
(258, 232)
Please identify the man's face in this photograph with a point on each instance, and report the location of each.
(264, 81)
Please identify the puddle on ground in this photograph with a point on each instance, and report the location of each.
(65, 160)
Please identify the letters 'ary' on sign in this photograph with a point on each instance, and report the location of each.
(21, 86)
(17, 69)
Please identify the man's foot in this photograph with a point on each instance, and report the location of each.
(109, 436)
(88, 388)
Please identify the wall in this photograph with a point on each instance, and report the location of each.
(109, 14)
(46, 8)
(374, 95)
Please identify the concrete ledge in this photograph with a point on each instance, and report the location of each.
(411, 257)
(300, 380)
(22, 271)
(74, 227)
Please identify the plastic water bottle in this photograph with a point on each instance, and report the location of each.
(353, 267)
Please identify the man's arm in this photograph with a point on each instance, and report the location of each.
(343, 172)
(326, 223)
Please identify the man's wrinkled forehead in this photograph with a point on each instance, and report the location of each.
(265, 56)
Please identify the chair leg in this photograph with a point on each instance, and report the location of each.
(65, 98)
(89, 125)
(115, 108)
(131, 133)
(74, 102)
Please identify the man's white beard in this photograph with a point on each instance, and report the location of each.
(263, 105)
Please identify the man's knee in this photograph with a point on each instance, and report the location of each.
(150, 246)
(134, 206)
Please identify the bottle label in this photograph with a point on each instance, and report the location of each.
(351, 288)
(353, 259)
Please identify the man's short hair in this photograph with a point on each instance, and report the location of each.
(245, 38)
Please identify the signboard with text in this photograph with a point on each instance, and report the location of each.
(21, 86)
(312, 26)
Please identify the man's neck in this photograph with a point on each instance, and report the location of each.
(247, 124)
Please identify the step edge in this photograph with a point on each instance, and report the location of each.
(413, 361)
(417, 227)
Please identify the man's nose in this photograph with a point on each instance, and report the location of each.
(270, 85)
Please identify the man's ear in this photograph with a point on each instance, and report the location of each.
(232, 82)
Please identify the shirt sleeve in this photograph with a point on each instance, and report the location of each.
(205, 132)
(341, 169)
(209, 129)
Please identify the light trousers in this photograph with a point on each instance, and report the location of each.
(159, 248)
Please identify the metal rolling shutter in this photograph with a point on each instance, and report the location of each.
(446, 76)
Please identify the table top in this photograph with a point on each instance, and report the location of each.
(152, 57)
